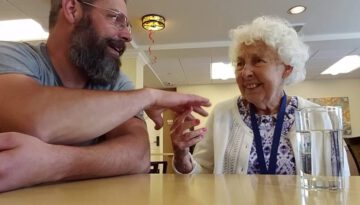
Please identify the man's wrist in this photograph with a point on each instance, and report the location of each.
(147, 97)
(65, 159)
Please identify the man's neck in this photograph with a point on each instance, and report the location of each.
(58, 51)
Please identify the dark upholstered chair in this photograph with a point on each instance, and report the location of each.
(353, 145)
(156, 166)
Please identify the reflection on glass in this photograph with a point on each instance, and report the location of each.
(327, 197)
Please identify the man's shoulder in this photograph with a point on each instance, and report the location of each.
(11, 44)
(24, 58)
(15, 45)
(123, 83)
(18, 49)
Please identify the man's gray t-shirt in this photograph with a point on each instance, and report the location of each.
(33, 61)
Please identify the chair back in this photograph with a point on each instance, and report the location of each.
(353, 145)
(155, 167)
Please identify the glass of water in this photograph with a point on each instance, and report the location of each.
(320, 147)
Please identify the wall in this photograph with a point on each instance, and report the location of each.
(316, 88)
(155, 150)
(133, 67)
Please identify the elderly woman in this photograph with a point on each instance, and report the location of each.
(253, 133)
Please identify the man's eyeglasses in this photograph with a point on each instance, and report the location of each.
(118, 18)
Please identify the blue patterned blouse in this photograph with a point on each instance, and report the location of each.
(285, 157)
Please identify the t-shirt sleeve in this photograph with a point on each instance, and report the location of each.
(124, 83)
(17, 58)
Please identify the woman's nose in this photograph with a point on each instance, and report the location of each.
(247, 70)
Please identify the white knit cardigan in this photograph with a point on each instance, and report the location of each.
(226, 146)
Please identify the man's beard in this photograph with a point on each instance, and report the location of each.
(89, 52)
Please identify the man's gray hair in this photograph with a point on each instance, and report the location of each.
(54, 11)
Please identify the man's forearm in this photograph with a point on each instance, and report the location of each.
(66, 116)
(117, 156)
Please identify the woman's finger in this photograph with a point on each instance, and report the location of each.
(193, 134)
(180, 117)
(179, 130)
(192, 141)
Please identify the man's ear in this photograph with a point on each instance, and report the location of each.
(288, 70)
(71, 10)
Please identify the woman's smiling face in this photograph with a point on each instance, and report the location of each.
(259, 73)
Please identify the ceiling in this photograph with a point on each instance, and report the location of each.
(196, 33)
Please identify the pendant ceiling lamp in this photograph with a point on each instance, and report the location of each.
(153, 22)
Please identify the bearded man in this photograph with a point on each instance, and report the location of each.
(66, 110)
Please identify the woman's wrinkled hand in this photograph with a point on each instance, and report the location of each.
(183, 138)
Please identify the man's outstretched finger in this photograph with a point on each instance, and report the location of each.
(200, 111)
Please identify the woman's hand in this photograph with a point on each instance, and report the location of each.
(182, 139)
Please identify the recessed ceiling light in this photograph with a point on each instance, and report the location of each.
(22, 30)
(223, 71)
(344, 65)
(297, 9)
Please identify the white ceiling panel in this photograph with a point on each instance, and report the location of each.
(170, 70)
(224, 59)
(356, 52)
(318, 65)
(9, 12)
(196, 69)
(195, 65)
(32, 8)
(334, 53)
(151, 81)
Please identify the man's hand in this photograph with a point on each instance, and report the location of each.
(177, 102)
(25, 161)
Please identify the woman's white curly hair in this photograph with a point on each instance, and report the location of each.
(278, 34)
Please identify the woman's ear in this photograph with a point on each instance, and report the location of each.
(71, 10)
(288, 70)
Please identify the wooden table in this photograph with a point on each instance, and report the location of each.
(172, 189)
